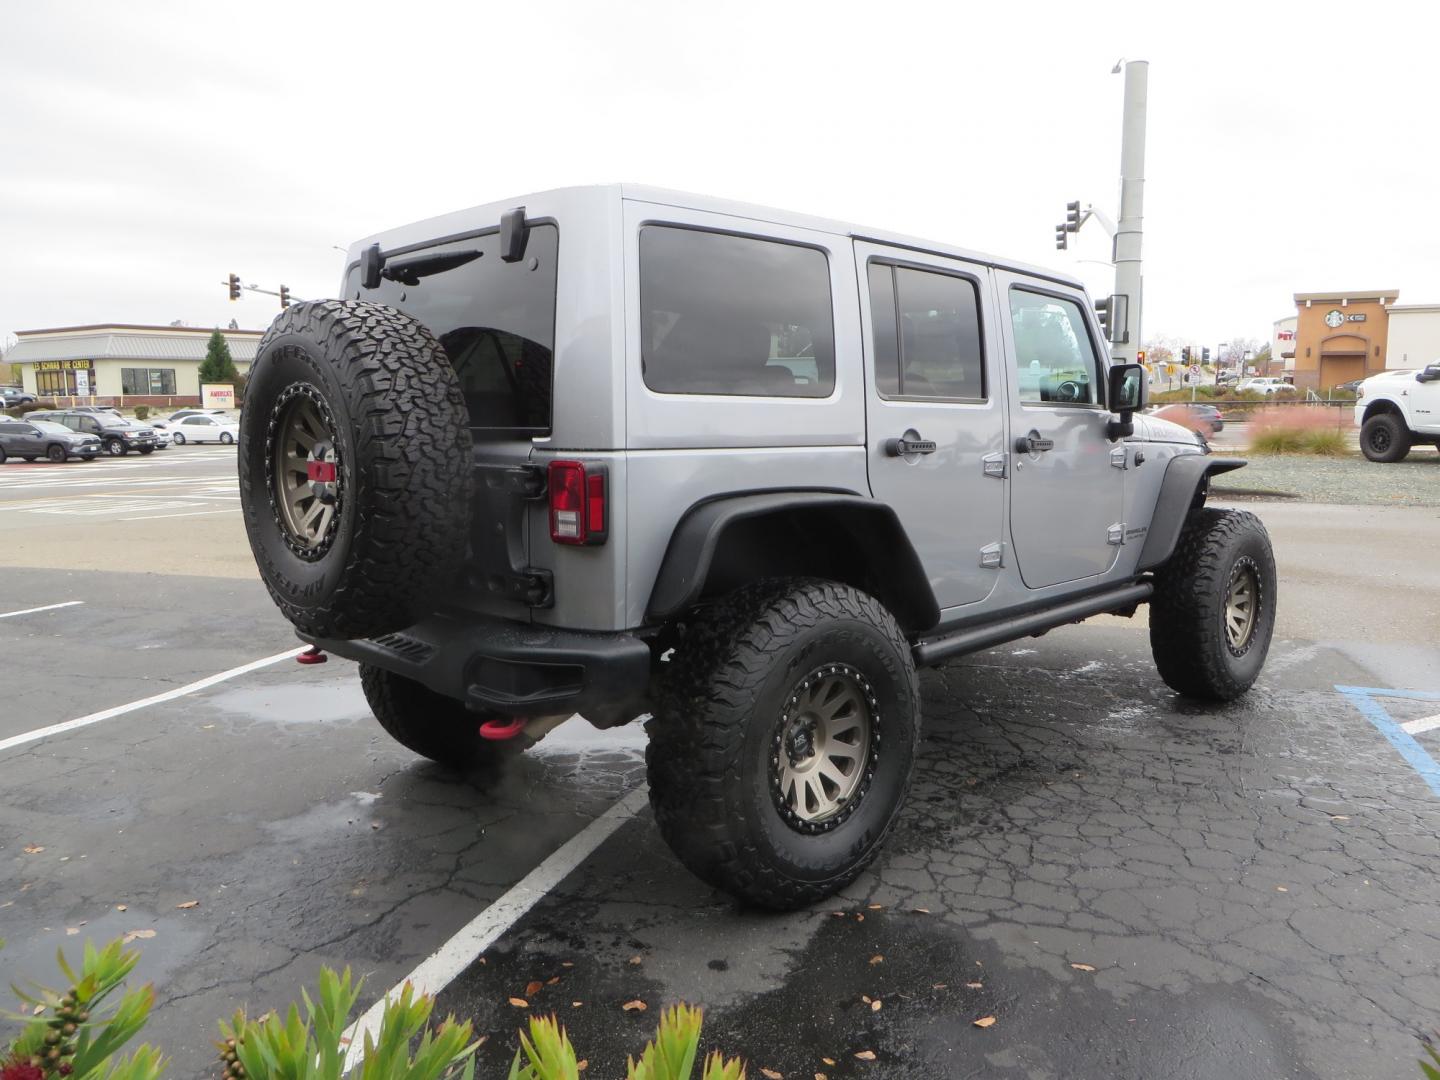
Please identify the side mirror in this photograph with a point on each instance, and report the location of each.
(1128, 394)
(1430, 373)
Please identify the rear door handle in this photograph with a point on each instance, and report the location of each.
(1033, 444)
(903, 446)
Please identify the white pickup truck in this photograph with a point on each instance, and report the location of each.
(1396, 410)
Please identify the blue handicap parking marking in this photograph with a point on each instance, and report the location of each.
(1401, 735)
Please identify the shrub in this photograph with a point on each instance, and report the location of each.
(1296, 429)
(142, 412)
(77, 1036)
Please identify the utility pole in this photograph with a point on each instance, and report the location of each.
(1128, 279)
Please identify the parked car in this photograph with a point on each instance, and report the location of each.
(678, 496)
(180, 414)
(1195, 415)
(107, 409)
(162, 438)
(118, 436)
(33, 439)
(10, 396)
(1397, 409)
(1351, 387)
(205, 427)
(1266, 384)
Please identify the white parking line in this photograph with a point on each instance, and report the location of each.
(441, 967)
(195, 513)
(1425, 723)
(121, 710)
(33, 610)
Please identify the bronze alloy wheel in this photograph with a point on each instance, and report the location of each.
(824, 749)
(306, 487)
(1242, 606)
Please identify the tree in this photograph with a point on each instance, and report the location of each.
(218, 365)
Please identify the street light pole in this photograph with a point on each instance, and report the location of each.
(1128, 279)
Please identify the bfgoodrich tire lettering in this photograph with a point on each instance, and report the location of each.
(401, 448)
(712, 741)
(1221, 574)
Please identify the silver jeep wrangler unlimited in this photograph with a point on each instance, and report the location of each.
(627, 452)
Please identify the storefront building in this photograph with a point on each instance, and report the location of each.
(119, 364)
(1340, 337)
(1414, 335)
(1282, 346)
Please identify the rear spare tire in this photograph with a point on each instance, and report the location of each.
(354, 467)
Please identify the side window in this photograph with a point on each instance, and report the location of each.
(72, 422)
(927, 334)
(11, 429)
(90, 424)
(1053, 351)
(725, 314)
(195, 421)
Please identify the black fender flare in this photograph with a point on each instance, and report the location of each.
(1183, 476)
(873, 527)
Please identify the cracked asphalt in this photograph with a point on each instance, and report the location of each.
(1130, 884)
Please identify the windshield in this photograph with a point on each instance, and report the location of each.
(494, 319)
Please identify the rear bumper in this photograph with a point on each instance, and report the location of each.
(513, 668)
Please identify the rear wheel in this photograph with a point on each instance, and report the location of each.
(226, 438)
(1384, 437)
(436, 727)
(1213, 611)
(147, 449)
(783, 741)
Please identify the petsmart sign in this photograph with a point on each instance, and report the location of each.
(217, 396)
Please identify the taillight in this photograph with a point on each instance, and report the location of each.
(578, 512)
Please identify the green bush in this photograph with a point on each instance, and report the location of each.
(142, 412)
(1329, 443)
(78, 1035)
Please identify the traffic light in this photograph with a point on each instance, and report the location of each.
(1072, 217)
(1205, 354)
(1185, 354)
(1140, 356)
(234, 286)
(1102, 309)
(1061, 240)
(284, 297)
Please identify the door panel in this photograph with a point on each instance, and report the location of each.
(934, 411)
(1066, 495)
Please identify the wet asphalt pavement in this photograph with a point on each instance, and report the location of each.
(1254, 886)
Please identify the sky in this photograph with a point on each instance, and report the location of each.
(149, 149)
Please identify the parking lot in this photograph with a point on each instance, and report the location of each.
(1128, 883)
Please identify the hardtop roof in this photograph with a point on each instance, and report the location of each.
(463, 220)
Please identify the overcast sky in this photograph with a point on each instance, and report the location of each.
(149, 149)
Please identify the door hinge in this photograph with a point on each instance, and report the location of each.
(1117, 457)
(994, 464)
(992, 556)
(1116, 533)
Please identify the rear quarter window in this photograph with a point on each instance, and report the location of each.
(734, 315)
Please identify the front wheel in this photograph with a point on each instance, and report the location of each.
(178, 439)
(1213, 612)
(783, 741)
(436, 727)
(56, 454)
(1385, 438)
(116, 448)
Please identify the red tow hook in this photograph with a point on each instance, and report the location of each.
(312, 655)
(499, 730)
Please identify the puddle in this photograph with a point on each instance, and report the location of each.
(325, 703)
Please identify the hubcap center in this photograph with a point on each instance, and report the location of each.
(321, 471)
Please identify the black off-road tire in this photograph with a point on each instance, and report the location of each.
(710, 754)
(1187, 613)
(399, 536)
(435, 727)
(1385, 438)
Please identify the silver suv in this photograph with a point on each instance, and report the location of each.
(737, 472)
